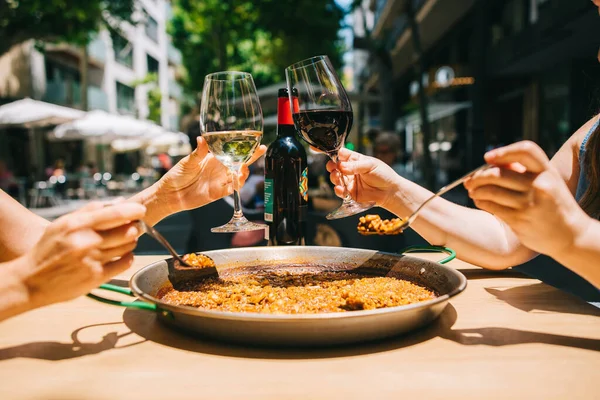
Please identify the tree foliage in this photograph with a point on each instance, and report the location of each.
(153, 95)
(261, 36)
(58, 20)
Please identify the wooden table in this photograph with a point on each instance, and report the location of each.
(505, 337)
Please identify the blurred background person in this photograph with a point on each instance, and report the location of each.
(6, 177)
(57, 169)
(387, 148)
(165, 163)
(252, 193)
(8, 183)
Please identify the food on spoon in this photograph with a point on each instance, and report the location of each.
(198, 260)
(304, 292)
(373, 224)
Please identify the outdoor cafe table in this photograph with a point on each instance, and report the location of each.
(507, 336)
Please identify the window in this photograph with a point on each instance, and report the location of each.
(125, 98)
(123, 50)
(152, 64)
(62, 84)
(152, 28)
(59, 73)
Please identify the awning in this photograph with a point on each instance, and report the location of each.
(125, 145)
(174, 143)
(435, 112)
(167, 139)
(102, 127)
(31, 113)
(124, 133)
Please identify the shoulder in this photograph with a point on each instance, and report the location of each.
(573, 144)
(583, 132)
(566, 160)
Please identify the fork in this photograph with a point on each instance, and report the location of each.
(411, 218)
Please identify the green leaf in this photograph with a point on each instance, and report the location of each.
(71, 21)
(261, 36)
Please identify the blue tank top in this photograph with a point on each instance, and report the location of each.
(549, 271)
(583, 182)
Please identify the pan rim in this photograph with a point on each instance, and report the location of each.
(259, 317)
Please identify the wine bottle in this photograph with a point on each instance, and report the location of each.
(286, 180)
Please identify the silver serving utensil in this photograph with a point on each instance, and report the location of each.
(179, 270)
(410, 219)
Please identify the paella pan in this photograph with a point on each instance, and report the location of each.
(303, 329)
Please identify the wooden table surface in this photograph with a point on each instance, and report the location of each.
(506, 336)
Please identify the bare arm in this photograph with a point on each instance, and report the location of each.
(75, 254)
(196, 180)
(566, 160)
(21, 228)
(477, 236)
(583, 255)
(539, 206)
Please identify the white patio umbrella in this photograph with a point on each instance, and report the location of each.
(102, 127)
(31, 113)
(180, 150)
(174, 143)
(152, 129)
(167, 139)
(125, 145)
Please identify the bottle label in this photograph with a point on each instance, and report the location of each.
(303, 185)
(269, 200)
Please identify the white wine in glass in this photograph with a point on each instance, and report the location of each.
(231, 122)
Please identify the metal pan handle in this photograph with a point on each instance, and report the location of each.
(435, 249)
(118, 289)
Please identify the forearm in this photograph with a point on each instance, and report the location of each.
(14, 296)
(157, 207)
(583, 256)
(22, 230)
(477, 236)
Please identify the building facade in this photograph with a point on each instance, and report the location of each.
(117, 64)
(132, 72)
(497, 71)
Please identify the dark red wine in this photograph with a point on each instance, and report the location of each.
(324, 129)
(286, 181)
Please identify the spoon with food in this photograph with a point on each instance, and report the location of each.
(372, 224)
(190, 267)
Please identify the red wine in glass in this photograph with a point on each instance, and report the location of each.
(325, 130)
(323, 116)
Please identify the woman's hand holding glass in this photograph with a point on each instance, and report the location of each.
(231, 123)
(197, 180)
(367, 179)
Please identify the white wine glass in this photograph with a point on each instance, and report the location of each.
(323, 117)
(231, 122)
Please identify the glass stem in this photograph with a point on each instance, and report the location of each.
(347, 197)
(237, 201)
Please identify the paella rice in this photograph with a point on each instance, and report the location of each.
(373, 224)
(286, 292)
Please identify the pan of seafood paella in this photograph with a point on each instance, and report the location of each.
(300, 295)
